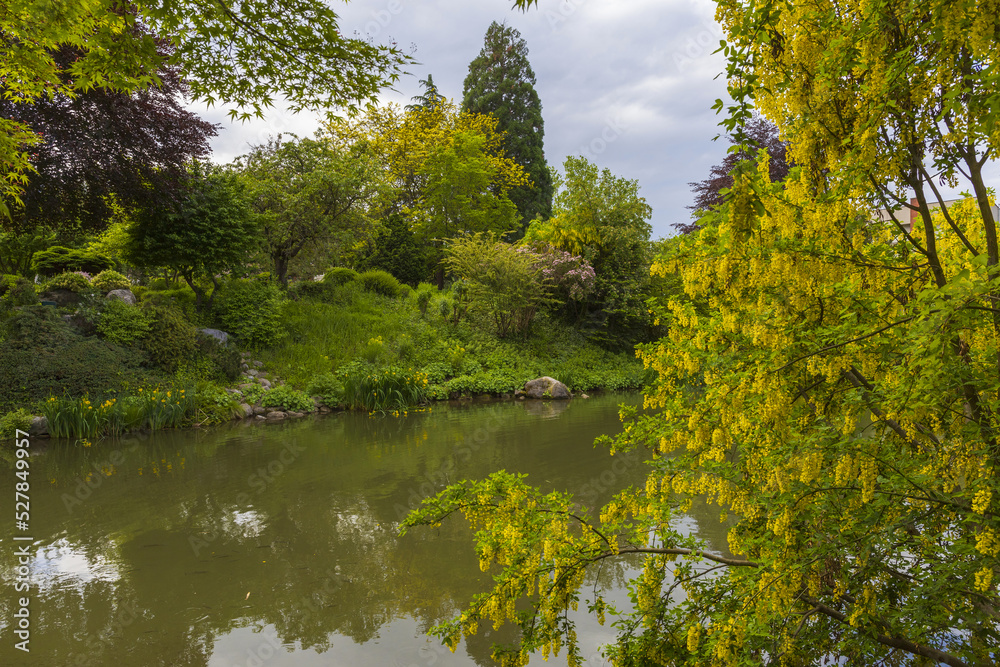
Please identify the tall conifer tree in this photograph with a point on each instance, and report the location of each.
(502, 83)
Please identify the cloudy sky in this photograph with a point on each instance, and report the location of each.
(627, 83)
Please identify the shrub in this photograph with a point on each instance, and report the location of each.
(223, 360)
(380, 282)
(123, 323)
(250, 310)
(374, 350)
(328, 388)
(42, 356)
(17, 291)
(405, 348)
(425, 292)
(180, 298)
(437, 372)
(340, 276)
(215, 405)
(72, 281)
(13, 421)
(59, 259)
(253, 393)
(287, 399)
(108, 280)
(485, 382)
(171, 338)
(309, 289)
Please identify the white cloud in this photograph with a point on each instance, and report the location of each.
(638, 70)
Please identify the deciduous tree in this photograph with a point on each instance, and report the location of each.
(837, 399)
(236, 54)
(209, 230)
(103, 152)
(311, 190)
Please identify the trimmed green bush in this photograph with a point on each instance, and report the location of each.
(287, 399)
(250, 310)
(171, 338)
(381, 282)
(328, 388)
(72, 281)
(59, 259)
(123, 323)
(340, 276)
(108, 280)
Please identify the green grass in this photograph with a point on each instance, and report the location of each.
(350, 325)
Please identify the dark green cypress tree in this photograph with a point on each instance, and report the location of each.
(502, 83)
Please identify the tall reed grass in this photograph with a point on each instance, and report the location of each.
(383, 389)
(153, 409)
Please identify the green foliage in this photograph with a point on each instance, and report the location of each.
(59, 259)
(215, 405)
(122, 323)
(396, 249)
(209, 231)
(374, 351)
(250, 310)
(17, 248)
(253, 393)
(425, 292)
(153, 409)
(42, 356)
(382, 389)
(223, 361)
(380, 282)
(494, 382)
(504, 282)
(13, 421)
(287, 399)
(181, 298)
(312, 191)
(171, 338)
(501, 83)
(339, 275)
(72, 281)
(328, 387)
(108, 280)
(16, 291)
(437, 372)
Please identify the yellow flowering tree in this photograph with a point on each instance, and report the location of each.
(448, 168)
(831, 379)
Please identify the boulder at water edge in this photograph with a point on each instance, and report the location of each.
(546, 387)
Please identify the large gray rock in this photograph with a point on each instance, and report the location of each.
(121, 295)
(277, 414)
(220, 336)
(247, 409)
(546, 387)
(39, 426)
(266, 384)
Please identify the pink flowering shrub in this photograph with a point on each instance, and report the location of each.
(568, 276)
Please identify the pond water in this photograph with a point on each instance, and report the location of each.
(276, 545)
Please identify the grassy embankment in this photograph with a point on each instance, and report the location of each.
(357, 343)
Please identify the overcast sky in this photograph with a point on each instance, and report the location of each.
(626, 83)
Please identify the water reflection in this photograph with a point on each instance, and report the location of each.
(277, 545)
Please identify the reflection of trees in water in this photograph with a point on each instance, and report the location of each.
(311, 540)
